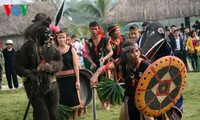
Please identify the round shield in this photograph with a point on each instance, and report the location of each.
(160, 86)
(85, 89)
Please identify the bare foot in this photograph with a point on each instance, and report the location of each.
(108, 106)
(103, 104)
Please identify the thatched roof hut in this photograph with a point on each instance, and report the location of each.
(12, 27)
(149, 10)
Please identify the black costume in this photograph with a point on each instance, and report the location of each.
(67, 88)
(37, 62)
(116, 48)
(99, 51)
(132, 76)
(8, 57)
(162, 48)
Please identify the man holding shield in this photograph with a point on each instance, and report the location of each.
(133, 65)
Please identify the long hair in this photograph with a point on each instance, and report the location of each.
(56, 39)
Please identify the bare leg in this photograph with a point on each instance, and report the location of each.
(108, 105)
(80, 111)
(123, 113)
(75, 114)
(85, 110)
(103, 104)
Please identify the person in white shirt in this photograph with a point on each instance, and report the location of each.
(79, 48)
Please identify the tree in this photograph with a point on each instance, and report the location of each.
(97, 8)
(84, 11)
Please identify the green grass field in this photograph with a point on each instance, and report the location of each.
(13, 104)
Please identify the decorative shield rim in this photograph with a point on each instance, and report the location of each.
(151, 73)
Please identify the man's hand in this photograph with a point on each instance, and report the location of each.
(102, 60)
(93, 66)
(45, 67)
(94, 80)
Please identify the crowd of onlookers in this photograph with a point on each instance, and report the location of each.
(68, 54)
(184, 42)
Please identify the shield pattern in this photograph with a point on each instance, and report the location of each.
(160, 86)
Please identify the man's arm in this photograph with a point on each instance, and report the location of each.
(20, 62)
(110, 53)
(101, 70)
(76, 67)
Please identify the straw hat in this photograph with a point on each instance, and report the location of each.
(9, 42)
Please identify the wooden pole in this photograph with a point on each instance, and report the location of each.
(94, 114)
